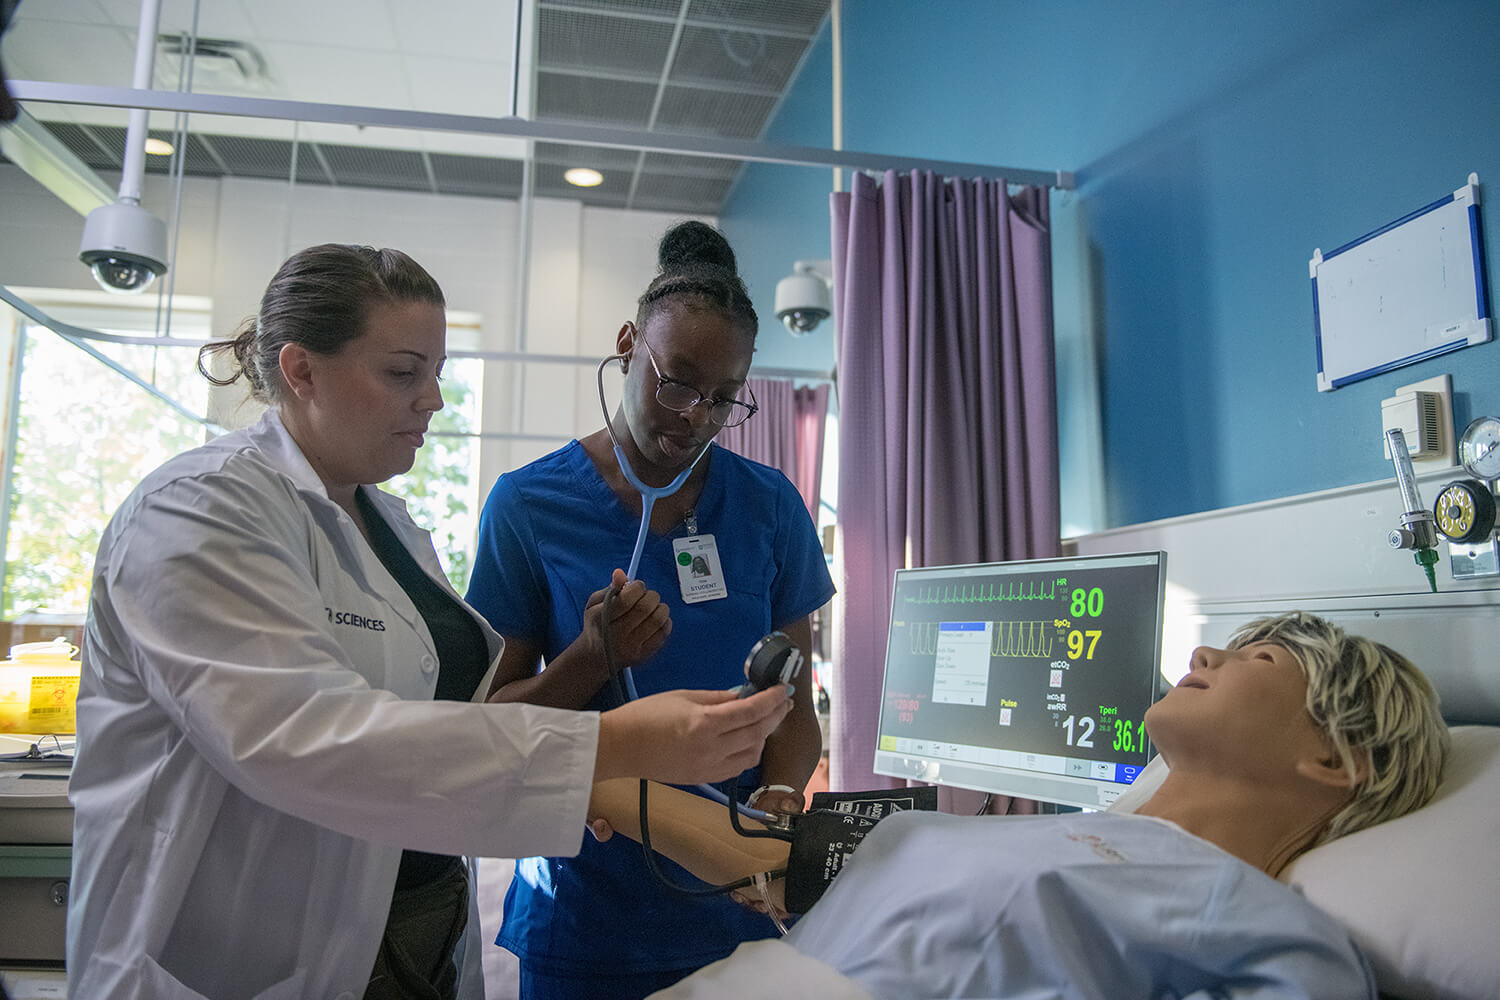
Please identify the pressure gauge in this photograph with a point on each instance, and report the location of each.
(1465, 510)
(1479, 448)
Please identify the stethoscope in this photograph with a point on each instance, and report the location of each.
(649, 496)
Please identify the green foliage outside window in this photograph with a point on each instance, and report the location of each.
(439, 490)
(86, 436)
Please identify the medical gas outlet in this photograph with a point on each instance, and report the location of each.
(1464, 512)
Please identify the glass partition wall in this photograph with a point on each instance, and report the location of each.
(389, 129)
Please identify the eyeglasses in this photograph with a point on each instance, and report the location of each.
(681, 397)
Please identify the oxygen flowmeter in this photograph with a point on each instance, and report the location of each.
(1418, 530)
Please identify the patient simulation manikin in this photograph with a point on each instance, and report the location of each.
(1271, 751)
(949, 906)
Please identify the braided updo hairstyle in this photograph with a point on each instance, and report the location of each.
(319, 298)
(698, 270)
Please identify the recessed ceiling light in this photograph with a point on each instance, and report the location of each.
(584, 177)
(158, 147)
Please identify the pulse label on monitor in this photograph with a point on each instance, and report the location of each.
(1007, 710)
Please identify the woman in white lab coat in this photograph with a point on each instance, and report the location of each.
(269, 801)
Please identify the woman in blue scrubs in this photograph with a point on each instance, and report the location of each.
(554, 536)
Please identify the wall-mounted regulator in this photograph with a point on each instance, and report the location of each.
(1464, 511)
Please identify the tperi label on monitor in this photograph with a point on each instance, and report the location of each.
(699, 573)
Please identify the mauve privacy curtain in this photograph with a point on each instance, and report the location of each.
(786, 434)
(948, 408)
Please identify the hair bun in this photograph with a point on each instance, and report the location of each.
(694, 244)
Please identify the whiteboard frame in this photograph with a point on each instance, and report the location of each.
(1332, 317)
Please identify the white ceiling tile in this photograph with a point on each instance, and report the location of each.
(216, 18)
(71, 11)
(459, 86)
(126, 13)
(364, 25)
(328, 75)
(463, 29)
(69, 53)
(84, 41)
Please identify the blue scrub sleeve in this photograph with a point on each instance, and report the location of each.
(508, 585)
(802, 583)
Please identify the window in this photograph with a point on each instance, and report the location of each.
(442, 489)
(84, 435)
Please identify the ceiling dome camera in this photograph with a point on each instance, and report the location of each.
(802, 300)
(125, 246)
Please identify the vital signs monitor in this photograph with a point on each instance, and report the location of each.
(1024, 678)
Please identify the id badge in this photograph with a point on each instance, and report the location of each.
(699, 574)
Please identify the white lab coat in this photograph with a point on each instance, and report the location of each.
(257, 741)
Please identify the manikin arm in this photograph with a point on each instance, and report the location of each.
(693, 831)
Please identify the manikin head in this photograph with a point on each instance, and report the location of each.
(1297, 688)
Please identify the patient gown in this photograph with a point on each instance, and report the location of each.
(1077, 905)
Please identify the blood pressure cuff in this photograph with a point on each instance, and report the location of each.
(825, 835)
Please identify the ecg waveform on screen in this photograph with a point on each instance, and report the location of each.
(985, 593)
(1016, 639)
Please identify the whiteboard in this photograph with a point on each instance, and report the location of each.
(1410, 290)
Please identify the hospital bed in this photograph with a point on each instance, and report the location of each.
(1419, 894)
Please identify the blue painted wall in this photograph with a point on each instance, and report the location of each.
(1216, 145)
(778, 215)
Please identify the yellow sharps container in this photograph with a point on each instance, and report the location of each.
(39, 688)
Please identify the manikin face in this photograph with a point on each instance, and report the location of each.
(698, 347)
(364, 410)
(1241, 710)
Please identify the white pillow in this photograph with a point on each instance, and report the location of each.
(1421, 894)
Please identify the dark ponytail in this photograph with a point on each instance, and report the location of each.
(697, 267)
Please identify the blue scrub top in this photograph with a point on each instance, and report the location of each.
(550, 535)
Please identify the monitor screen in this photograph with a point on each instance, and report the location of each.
(1024, 678)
